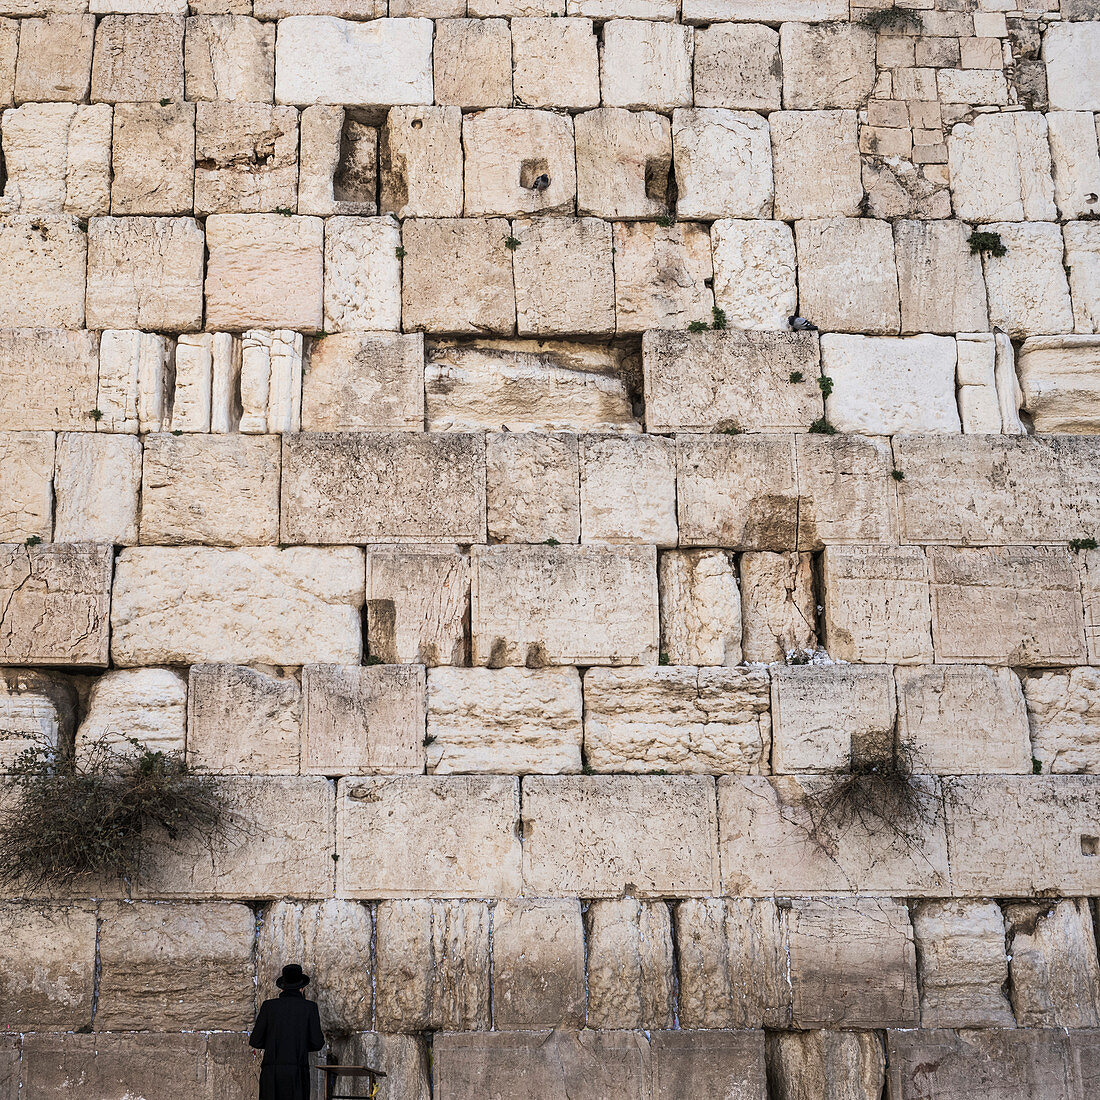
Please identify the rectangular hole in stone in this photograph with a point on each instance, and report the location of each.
(356, 175)
(1090, 845)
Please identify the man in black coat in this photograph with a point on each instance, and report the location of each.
(287, 1030)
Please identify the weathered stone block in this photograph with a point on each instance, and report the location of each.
(533, 487)
(624, 163)
(337, 163)
(723, 164)
(681, 719)
(138, 59)
(26, 485)
(779, 614)
(1027, 287)
(56, 600)
(1083, 260)
(134, 383)
(555, 63)
(420, 154)
(383, 487)
(423, 836)
(816, 163)
(1089, 571)
(147, 705)
(737, 65)
(645, 65)
(42, 263)
(9, 55)
(362, 274)
(942, 289)
(473, 62)
(700, 607)
(183, 605)
(835, 1065)
(55, 61)
(605, 836)
(1063, 712)
(754, 273)
(270, 383)
(826, 64)
(1060, 379)
(1070, 53)
(153, 159)
(1076, 161)
(539, 605)
(508, 720)
(229, 58)
(628, 490)
(403, 1058)
(706, 1064)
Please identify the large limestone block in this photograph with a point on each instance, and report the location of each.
(263, 271)
(624, 163)
(229, 58)
(976, 375)
(529, 386)
(243, 721)
(1001, 169)
(331, 940)
(362, 274)
(1063, 712)
(403, 1058)
(700, 607)
(877, 604)
(457, 276)
(1070, 51)
(281, 843)
(715, 381)
(473, 62)
(847, 277)
(358, 721)
(134, 384)
(1076, 158)
(1027, 287)
(754, 272)
(826, 64)
(828, 716)
(418, 599)
(42, 262)
(852, 963)
(963, 719)
(540, 605)
(9, 53)
(153, 159)
(433, 965)
(270, 383)
(512, 721)
(56, 600)
(166, 966)
(942, 289)
(420, 155)
(962, 964)
(833, 1065)
(532, 487)
(1089, 570)
(538, 964)
(383, 487)
(630, 963)
(49, 970)
(738, 65)
(145, 273)
(738, 492)
(147, 705)
(1006, 606)
(180, 605)
(215, 489)
(319, 59)
(26, 485)
(816, 164)
(607, 836)
(779, 614)
(138, 59)
(555, 64)
(55, 61)
(723, 164)
(337, 163)
(727, 1064)
(48, 379)
(35, 709)
(1060, 378)
(884, 384)
(1083, 260)
(677, 719)
(733, 964)
(423, 836)
(628, 490)
(1023, 835)
(645, 65)
(773, 840)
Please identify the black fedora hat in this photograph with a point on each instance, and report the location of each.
(292, 977)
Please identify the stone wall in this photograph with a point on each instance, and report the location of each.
(402, 415)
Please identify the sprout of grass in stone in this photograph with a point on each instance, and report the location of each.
(664, 221)
(697, 326)
(429, 739)
(33, 540)
(719, 316)
(165, 101)
(399, 252)
(284, 210)
(96, 415)
(662, 659)
(1082, 544)
(795, 376)
(551, 541)
(986, 241)
(371, 659)
(1036, 766)
(825, 384)
(898, 475)
(511, 243)
(821, 426)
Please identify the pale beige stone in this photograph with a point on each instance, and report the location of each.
(754, 273)
(972, 86)
(511, 721)
(194, 400)
(403, 1058)
(555, 63)
(1076, 161)
(263, 271)
(164, 965)
(530, 386)
(9, 53)
(779, 616)
(532, 487)
(133, 381)
(543, 605)
(145, 273)
(1083, 260)
(645, 65)
(50, 970)
(363, 721)
(960, 719)
(962, 964)
(564, 279)
(816, 163)
(26, 486)
(457, 276)
(56, 601)
(331, 941)
(473, 62)
(153, 159)
(138, 59)
(826, 64)
(420, 157)
(1063, 712)
(628, 490)
(976, 375)
(362, 274)
(270, 381)
(42, 265)
(630, 964)
(877, 604)
(96, 482)
(55, 56)
(418, 598)
(830, 1065)
(610, 835)
(738, 65)
(624, 163)
(179, 605)
(243, 721)
(942, 289)
(1089, 571)
(538, 964)
(682, 719)
(700, 607)
(1060, 379)
(146, 705)
(426, 836)
(230, 58)
(337, 162)
(1069, 51)
(433, 965)
(1006, 606)
(1027, 287)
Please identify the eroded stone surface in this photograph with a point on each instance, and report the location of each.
(700, 607)
(779, 613)
(1063, 712)
(836, 1065)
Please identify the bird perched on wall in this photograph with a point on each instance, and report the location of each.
(541, 183)
(800, 324)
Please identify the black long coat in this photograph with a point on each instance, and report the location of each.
(287, 1029)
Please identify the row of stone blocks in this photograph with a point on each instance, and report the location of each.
(436, 965)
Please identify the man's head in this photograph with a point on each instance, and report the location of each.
(292, 978)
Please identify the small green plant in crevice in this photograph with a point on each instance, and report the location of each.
(697, 326)
(1036, 766)
(795, 376)
(177, 431)
(729, 429)
(551, 541)
(511, 243)
(371, 659)
(662, 659)
(1082, 544)
(664, 221)
(165, 101)
(284, 210)
(892, 19)
(798, 657)
(399, 252)
(983, 240)
(33, 540)
(898, 475)
(429, 739)
(82, 224)
(821, 426)
(587, 769)
(96, 414)
(719, 316)
(825, 384)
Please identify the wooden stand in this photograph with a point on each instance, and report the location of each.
(332, 1072)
